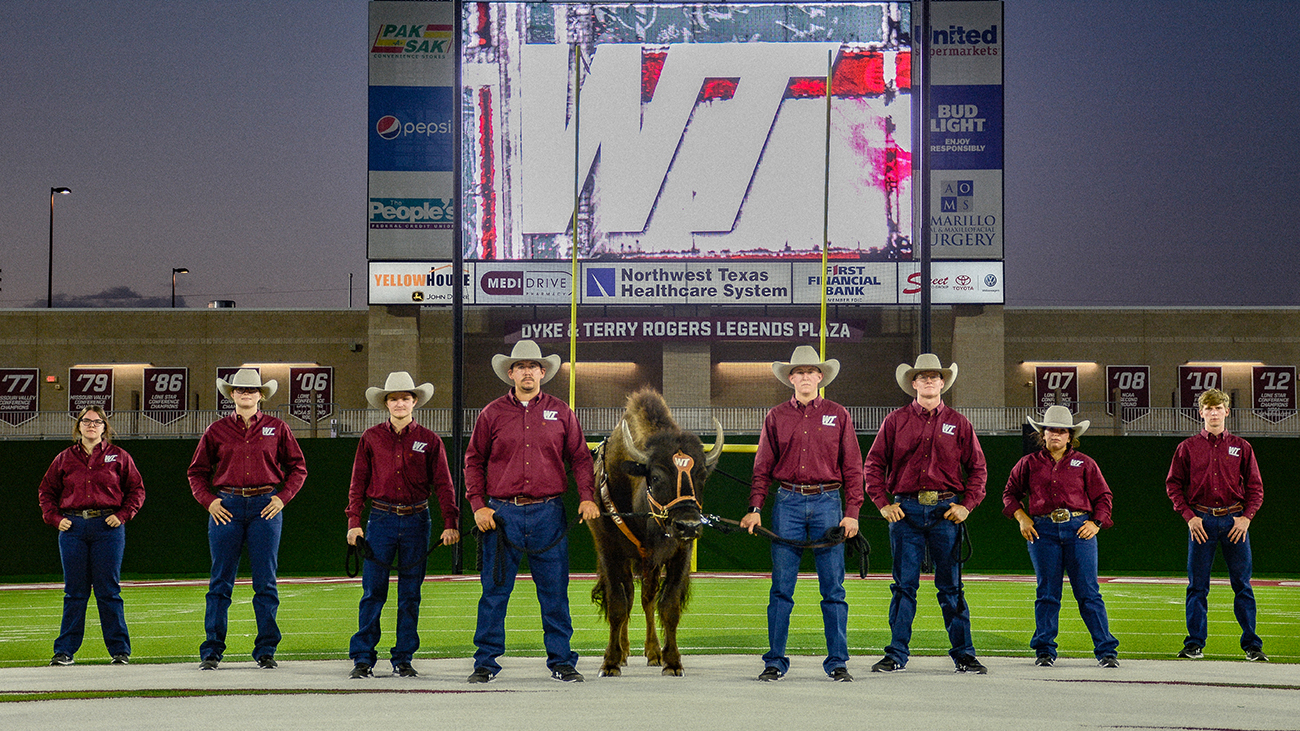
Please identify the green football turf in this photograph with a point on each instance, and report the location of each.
(726, 615)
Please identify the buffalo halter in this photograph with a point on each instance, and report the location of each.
(683, 463)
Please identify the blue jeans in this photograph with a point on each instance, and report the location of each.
(406, 538)
(1200, 559)
(531, 528)
(1058, 551)
(226, 542)
(92, 558)
(797, 517)
(924, 525)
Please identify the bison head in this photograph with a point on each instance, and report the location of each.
(675, 467)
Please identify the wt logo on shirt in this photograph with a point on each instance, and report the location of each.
(1076, 463)
(110, 458)
(268, 431)
(828, 421)
(1234, 451)
(549, 415)
(949, 429)
(419, 446)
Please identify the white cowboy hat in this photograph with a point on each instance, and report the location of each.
(806, 355)
(247, 378)
(399, 381)
(1059, 417)
(525, 350)
(925, 362)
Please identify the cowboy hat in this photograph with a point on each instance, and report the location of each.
(247, 378)
(399, 382)
(925, 362)
(1059, 417)
(805, 355)
(525, 350)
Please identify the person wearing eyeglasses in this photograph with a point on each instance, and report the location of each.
(89, 493)
(246, 469)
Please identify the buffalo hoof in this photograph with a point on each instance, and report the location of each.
(653, 662)
(674, 672)
(613, 672)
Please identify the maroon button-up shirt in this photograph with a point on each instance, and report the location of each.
(925, 450)
(1214, 472)
(105, 478)
(1040, 485)
(811, 443)
(402, 468)
(519, 450)
(232, 453)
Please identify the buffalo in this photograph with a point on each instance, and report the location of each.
(653, 474)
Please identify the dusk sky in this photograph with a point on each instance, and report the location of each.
(1151, 151)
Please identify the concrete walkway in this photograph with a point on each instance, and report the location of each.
(718, 692)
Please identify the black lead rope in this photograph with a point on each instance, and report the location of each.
(503, 542)
(361, 552)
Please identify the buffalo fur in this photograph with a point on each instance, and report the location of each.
(664, 571)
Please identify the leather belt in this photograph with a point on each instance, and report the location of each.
(247, 491)
(399, 509)
(96, 513)
(1062, 515)
(1219, 512)
(525, 500)
(927, 497)
(811, 489)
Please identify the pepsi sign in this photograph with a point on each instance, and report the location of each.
(411, 128)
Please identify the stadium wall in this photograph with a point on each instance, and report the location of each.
(169, 536)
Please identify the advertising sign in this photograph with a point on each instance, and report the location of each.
(1133, 383)
(164, 393)
(224, 404)
(412, 68)
(18, 392)
(702, 130)
(1273, 391)
(964, 129)
(641, 283)
(522, 283)
(1056, 385)
(89, 386)
(659, 329)
(953, 282)
(414, 283)
(1192, 380)
(308, 385)
(847, 283)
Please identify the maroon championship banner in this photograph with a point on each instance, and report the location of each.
(90, 386)
(224, 404)
(306, 384)
(18, 390)
(1273, 392)
(1048, 380)
(1133, 382)
(164, 393)
(1192, 381)
(658, 329)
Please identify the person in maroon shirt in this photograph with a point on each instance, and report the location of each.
(919, 456)
(514, 477)
(255, 466)
(1214, 484)
(89, 492)
(809, 448)
(1061, 501)
(399, 464)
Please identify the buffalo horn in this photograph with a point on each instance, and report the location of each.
(711, 459)
(636, 455)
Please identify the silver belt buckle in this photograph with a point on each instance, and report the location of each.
(928, 497)
(1061, 515)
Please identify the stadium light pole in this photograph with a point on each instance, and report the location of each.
(175, 271)
(49, 290)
